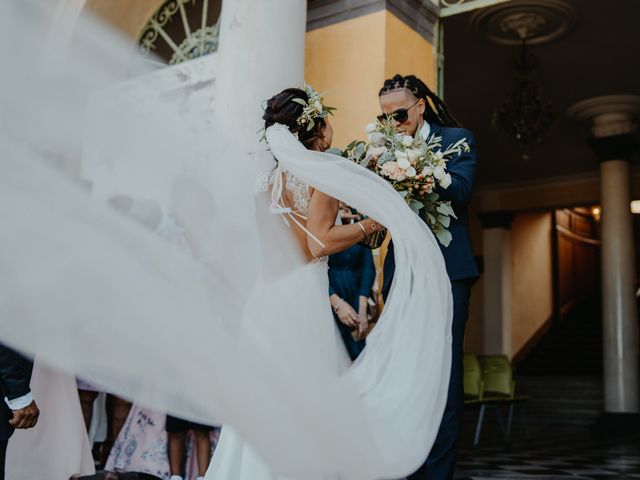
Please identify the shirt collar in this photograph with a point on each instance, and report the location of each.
(425, 130)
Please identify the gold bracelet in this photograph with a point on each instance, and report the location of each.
(362, 228)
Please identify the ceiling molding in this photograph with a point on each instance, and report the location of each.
(420, 15)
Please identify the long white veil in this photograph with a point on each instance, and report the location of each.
(95, 294)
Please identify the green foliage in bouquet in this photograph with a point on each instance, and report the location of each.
(415, 168)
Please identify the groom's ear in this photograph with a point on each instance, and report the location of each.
(422, 106)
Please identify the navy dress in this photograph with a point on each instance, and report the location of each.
(351, 275)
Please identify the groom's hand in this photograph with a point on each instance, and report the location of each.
(26, 417)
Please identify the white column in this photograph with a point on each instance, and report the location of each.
(261, 52)
(496, 249)
(614, 140)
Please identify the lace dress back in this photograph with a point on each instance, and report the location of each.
(301, 197)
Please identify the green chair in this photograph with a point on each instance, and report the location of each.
(500, 388)
(475, 393)
(473, 386)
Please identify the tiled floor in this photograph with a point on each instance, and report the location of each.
(554, 453)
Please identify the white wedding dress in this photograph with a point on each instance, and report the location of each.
(234, 458)
(242, 335)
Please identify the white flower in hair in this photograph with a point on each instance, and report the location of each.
(313, 108)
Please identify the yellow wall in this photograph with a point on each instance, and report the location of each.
(350, 61)
(409, 53)
(532, 291)
(346, 60)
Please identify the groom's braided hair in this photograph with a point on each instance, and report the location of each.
(283, 110)
(417, 87)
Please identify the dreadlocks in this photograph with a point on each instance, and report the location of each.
(417, 87)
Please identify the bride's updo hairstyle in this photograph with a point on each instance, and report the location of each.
(281, 108)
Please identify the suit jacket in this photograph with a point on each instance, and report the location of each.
(458, 256)
(15, 376)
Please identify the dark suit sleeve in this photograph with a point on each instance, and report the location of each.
(463, 173)
(15, 373)
(367, 273)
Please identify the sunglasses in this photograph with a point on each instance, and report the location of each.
(401, 115)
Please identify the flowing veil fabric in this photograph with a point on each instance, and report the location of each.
(77, 278)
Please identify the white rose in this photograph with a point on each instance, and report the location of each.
(403, 162)
(427, 171)
(439, 172)
(446, 181)
(413, 154)
(376, 151)
(377, 138)
(438, 156)
(370, 128)
(411, 172)
(407, 140)
(318, 105)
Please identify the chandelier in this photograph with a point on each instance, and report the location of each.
(525, 115)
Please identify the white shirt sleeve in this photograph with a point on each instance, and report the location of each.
(20, 402)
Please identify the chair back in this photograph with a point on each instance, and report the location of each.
(472, 377)
(497, 376)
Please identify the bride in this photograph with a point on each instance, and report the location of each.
(311, 216)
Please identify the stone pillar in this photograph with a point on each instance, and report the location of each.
(261, 52)
(496, 248)
(614, 140)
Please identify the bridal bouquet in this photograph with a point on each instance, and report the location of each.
(414, 167)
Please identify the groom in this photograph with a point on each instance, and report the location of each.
(406, 99)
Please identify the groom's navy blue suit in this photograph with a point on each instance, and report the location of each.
(463, 272)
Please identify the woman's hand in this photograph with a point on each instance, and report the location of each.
(363, 316)
(345, 312)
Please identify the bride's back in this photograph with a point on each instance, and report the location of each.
(295, 196)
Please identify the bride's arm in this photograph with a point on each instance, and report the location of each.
(321, 219)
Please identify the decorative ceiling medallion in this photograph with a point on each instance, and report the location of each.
(537, 21)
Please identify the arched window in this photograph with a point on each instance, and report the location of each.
(182, 30)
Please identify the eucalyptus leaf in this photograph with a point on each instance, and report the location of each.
(430, 218)
(312, 124)
(446, 209)
(431, 197)
(299, 101)
(415, 205)
(444, 220)
(444, 237)
(385, 157)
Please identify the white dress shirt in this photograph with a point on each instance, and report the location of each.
(20, 402)
(425, 130)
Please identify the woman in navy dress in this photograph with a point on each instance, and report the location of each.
(351, 277)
